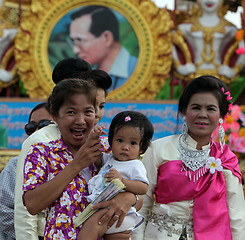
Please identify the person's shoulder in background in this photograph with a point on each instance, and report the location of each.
(45, 134)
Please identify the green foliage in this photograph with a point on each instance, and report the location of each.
(237, 88)
(129, 39)
(164, 93)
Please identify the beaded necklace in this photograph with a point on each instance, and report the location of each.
(193, 161)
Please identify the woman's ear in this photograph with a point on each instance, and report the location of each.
(54, 117)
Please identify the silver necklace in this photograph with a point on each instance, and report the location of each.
(192, 159)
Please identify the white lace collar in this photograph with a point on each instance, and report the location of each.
(193, 160)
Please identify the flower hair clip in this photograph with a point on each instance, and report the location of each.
(228, 98)
(127, 119)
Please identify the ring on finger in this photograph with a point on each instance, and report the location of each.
(117, 216)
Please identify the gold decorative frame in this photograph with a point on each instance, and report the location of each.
(151, 24)
(6, 155)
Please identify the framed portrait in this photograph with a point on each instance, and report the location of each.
(49, 33)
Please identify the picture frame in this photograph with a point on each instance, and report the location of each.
(150, 24)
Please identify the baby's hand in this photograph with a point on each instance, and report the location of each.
(96, 132)
(113, 174)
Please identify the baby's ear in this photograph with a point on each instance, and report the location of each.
(141, 154)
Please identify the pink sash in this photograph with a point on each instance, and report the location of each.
(210, 211)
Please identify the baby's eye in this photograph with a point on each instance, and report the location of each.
(119, 140)
(134, 143)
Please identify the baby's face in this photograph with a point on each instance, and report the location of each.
(126, 143)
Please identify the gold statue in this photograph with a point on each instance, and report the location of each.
(205, 44)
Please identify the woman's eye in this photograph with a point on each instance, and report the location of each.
(89, 112)
(71, 112)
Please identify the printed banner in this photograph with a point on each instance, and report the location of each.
(14, 116)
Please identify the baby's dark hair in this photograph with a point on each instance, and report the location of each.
(132, 119)
(205, 84)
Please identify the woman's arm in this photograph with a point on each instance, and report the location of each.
(43, 195)
(236, 204)
(118, 207)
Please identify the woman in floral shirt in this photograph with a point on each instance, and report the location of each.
(56, 173)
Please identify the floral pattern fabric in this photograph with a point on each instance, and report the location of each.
(44, 162)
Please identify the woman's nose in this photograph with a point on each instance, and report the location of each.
(202, 113)
(97, 114)
(80, 119)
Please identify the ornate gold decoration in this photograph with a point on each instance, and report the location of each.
(151, 25)
(208, 54)
(178, 40)
(6, 155)
(9, 19)
(7, 58)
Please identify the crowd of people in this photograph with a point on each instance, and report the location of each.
(184, 186)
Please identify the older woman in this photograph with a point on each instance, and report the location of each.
(195, 189)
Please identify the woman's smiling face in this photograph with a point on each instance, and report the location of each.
(75, 119)
(202, 116)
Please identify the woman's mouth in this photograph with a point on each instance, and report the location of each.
(78, 133)
(201, 124)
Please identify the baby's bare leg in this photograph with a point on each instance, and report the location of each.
(118, 236)
(91, 230)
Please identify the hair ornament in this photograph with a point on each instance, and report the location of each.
(127, 119)
(228, 98)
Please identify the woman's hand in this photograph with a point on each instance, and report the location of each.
(117, 207)
(90, 152)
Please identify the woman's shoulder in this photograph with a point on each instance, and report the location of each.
(166, 140)
(51, 146)
(45, 134)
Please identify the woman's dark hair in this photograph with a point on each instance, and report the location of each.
(66, 89)
(205, 84)
(132, 119)
(38, 106)
(101, 78)
(69, 68)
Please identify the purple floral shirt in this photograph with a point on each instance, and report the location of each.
(44, 162)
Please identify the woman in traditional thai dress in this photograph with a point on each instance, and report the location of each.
(195, 189)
